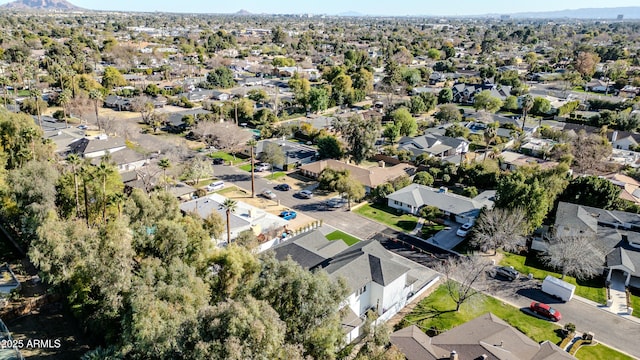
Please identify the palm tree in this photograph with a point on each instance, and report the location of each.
(229, 205)
(527, 104)
(4, 82)
(97, 97)
(103, 171)
(37, 95)
(117, 199)
(164, 164)
(64, 99)
(252, 144)
(74, 162)
(489, 136)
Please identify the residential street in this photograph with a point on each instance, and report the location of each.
(610, 329)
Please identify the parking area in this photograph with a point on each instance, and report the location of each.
(447, 238)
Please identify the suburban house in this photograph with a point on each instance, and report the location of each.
(369, 178)
(485, 337)
(125, 160)
(98, 146)
(536, 147)
(175, 120)
(295, 154)
(435, 145)
(465, 93)
(630, 186)
(510, 160)
(614, 235)
(459, 208)
(377, 279)
(246, 217)
(117, 102)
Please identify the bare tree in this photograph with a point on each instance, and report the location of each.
(500, 228)
(225, 136)
(463, 277)
(199, 168)
(589, 151)
(576, 254)
(144, 106)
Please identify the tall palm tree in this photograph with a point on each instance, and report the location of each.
(252, 145)
(103, 171)
(37, 95)
(164, 164)
(74, 162)
(4, 82)
(98, 98)
(527, 104)
(229, 206)
(117, 199)
(489, 136)
(65, 99)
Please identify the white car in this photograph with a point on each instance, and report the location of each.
(262, 167)
(464, 229)
(268, 194)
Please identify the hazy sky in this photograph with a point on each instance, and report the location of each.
(373, 7)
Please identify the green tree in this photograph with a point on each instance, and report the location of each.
(541, 106)
(301, 88)
(391, 132)
(361, 137)
(342, 89)
(221, 77)
(329, 147)
(592, 191)
(164, 164)
(288, 288)
(272, 154)
(351, 188)
(448, 113)
(112, 78)
(487, 102)
(510, 103)
(527, 104)
(406, 123)
(97, 98)
(423, 178)
(456, 131)
(445, 96)
(318, 99)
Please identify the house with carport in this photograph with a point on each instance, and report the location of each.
(458, 208)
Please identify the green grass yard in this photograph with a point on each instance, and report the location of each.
(226, 157)
(436, 313)
(591, 289)
(339, 235)
(275, 176)
(599, 352)
(388, 216)
(245, 167)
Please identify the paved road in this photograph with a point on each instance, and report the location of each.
(338, 218)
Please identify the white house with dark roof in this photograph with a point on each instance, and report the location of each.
(377, 279)
(460, 208)
(91, 147)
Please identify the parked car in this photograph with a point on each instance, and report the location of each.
(464, 229)
(218, 161)
(216, 185)
(336, 202)
(305, 194)
(268, 194)
(507, 272)
(546, 311)
(262, 167)
(288, 215)
(283, 187)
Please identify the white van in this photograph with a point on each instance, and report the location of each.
(216, 185)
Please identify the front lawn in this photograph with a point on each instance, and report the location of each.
(388, 216)
(428, 230)
(600, 352)
(436, 313)
(275, 176)
(635, 301)
(226, 156)
(245, 167)
(590, 289)
(339, 235)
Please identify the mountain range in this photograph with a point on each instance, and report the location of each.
(40, 5)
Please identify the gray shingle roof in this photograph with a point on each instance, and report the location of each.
(418, 195)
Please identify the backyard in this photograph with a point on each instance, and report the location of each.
(339, 235)
(388, 216)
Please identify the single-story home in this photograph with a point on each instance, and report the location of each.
(485, 337)
(125, 160)
(90, 147)
(615, 235)
(510, 160)
(377, 279)
(630, 186)
(435, 145)
(459, 208)
(246, 217)
(368, 177)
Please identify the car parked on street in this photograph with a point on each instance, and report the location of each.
(268, 194)
(464, 229)
(262, 167)
(218, 161)
(545, 311)
(288, 215)
(336, 202)
(507, 272)
(282, 187)
(305, 194)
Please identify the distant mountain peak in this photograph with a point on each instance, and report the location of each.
(40, 5)
(243, 12)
